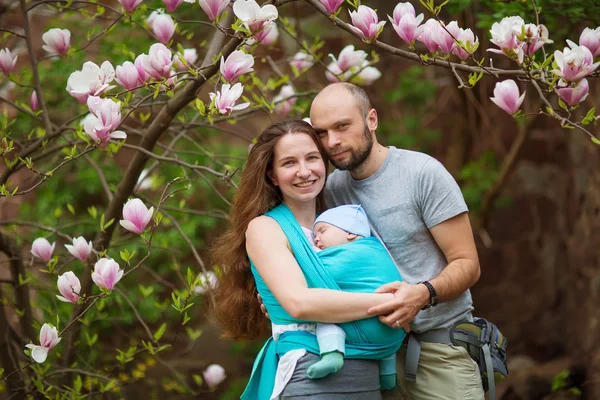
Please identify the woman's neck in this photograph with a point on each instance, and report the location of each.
(305, 213)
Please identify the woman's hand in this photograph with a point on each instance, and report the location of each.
(407, 302)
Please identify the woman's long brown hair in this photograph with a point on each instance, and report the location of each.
(235, 305)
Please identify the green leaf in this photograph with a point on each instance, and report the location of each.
(193, 334)
(70, 208)
(595, 140)
(109, 223)
(146, 291)
(160, 332)
(93, 211)
(78, 384)
(186, 319)
(589, 117)
(200, 106)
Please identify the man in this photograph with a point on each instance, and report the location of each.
(417, 209)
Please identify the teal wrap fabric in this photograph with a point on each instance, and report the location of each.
(360, 266)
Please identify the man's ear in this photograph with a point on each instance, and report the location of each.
(351, 236)
(372, 120)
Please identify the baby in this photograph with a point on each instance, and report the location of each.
(337, 227)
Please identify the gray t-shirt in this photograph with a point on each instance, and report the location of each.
(409, 194)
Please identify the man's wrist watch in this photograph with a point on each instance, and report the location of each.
(432, 295)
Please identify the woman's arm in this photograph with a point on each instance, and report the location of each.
(267, 246)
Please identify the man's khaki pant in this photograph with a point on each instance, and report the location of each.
(445, 372)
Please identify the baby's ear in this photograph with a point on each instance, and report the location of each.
(351, 236)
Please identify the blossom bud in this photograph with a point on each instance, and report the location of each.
(331, 5)
(254, 16)
(238, 63)
(162, 25)
(366, 23)
(285, 100)
(34, 100)
(80, 249)
(213, 8)
(57, 41)
(127, 75)
(158, 62)
(590, 38)
(42, 249)
(130, 5)
(302, 60)
(214, 374)
(190, 56)
(7, 61)
(106, 273)
(506, 96)
(136, 216)
(171, 5)
(69, 286)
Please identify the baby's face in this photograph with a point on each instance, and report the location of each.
(327, 235)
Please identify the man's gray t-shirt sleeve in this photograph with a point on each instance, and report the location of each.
(438, 194)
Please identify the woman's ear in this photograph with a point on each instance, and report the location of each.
(351, 236)
(272, 178)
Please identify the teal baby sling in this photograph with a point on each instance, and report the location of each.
(360, 266)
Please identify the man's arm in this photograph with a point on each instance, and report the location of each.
(455, 238)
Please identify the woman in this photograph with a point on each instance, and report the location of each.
(287, 165)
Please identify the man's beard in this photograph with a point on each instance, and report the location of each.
(357, 157)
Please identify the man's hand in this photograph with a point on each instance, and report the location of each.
(408, 301)
(262, 306)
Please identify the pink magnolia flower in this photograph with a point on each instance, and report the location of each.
(535, 37)
(252, 15)
(333, 72)
(208, 281)
(92, 80)
(143, 76)
(57, 41)
(266, 36)
(444, 37)
(48, 339)
(107, 273)
(130, 5)
(349, 58)
(7, 61)
(42, 249)
(127, 76)
(285, 100)
(574, 62)
(505, 35)
(331, 5)
(190, 56)
(105, 117)
(366, 23)
(590, 38)
(69, 286)
(302, 60)
(162, 25)
(506, 96)
(171, 5)
(366, 76)
(34, 100)
(471, 42)
(136, 216)
(405, 23)
(573, 95)
(158, 62)
(225, 99)
(214, 374)
(213, 8)
(238, 63)
(428, 35)
(80, 249)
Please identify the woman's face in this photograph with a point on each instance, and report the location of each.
(298, 168)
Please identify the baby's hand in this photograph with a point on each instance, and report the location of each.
(262, 306)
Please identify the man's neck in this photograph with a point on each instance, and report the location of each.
(372, 164)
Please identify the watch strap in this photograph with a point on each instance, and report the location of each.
(433, 301)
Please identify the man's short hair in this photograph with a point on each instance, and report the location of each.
(359, 94)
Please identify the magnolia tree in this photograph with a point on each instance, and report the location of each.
(147, 109)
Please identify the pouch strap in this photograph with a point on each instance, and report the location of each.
(490, 371)
(413, 352)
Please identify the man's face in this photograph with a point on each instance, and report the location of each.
(346, 136)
